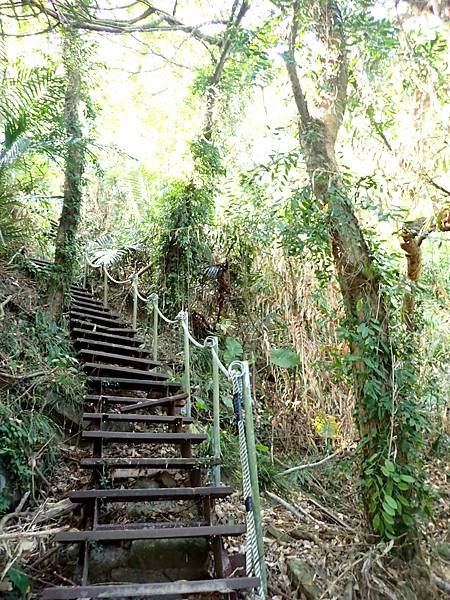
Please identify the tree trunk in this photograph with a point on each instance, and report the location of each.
(66, 248)
(366, 314)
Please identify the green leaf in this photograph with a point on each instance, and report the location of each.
(233, 350)
(284, 357)
(388, 509)
(387, 518)
(407, 478)
(20, 580)
(390, 500)
(389, 466)
(407, 519)
(262, 448)
(376, 522)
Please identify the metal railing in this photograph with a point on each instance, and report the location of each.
(237, 373)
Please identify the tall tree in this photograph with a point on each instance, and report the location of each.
(386, 437)
(66, 249)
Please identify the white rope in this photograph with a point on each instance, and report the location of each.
(117, 281)
(183, 317)
(253, 561)
(163, 317)
(222, 367)
(138, 293)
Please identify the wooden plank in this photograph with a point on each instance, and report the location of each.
(100, 312)
(90, 300)
(132, 437)
(137, 418)
(105, 368)
(147, 494)
(133, 384)
(150, 533)
(115, 348)
(120, 358)
(149, 403)
(155, 590)
(104, 336)
(86, 324)
(107, 321)
(149, 463)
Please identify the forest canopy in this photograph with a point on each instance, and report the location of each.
(278, 168)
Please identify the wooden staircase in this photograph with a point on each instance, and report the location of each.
(135, 425)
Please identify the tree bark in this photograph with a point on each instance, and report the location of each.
(66, 249)
(354, 264)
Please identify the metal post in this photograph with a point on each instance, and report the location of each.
(216, 411)
(105, 288)
(187, 363)
(155, 327)
(253, 467)
(134, 283)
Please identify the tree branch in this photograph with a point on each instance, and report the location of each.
(291, 66)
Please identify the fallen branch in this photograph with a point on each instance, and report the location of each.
(18, 535)
(314, 464)
(20, 377)
(2, 306)
(441, 583)
(18, 510)
(298, 512)
(328, 512)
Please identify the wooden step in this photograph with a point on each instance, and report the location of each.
(132, 384)
(148, 463)
(100, 312)
(106, 370)
(81, 292)
(167, 589)
(150, 403)
(107, 357)
(151, 494)
(150, 533)
(91, 304)
(90, 300)
(122, 333)
(105, 337)
(131, 437)
(107, 321)
(41, 261)
(120, 349)
(135, 402)
(137, 418)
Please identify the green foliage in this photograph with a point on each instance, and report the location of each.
(28, 430)
(233, 350)
(284, 357)
(20, 581)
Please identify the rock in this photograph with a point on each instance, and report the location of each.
(444, 550)
(150, 560)
(278, 534)
(302, 534)
(302, 578)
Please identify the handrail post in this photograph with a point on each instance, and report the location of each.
(105, 287)
(134, 280)
(155, 327)
(216, 411)
(253, 468)
(85, 272)
(187, 362)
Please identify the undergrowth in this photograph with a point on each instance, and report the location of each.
(41, 389)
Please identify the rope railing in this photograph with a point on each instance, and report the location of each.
(237, 373)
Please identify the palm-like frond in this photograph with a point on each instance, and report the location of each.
(15, 151)
(106, 250)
